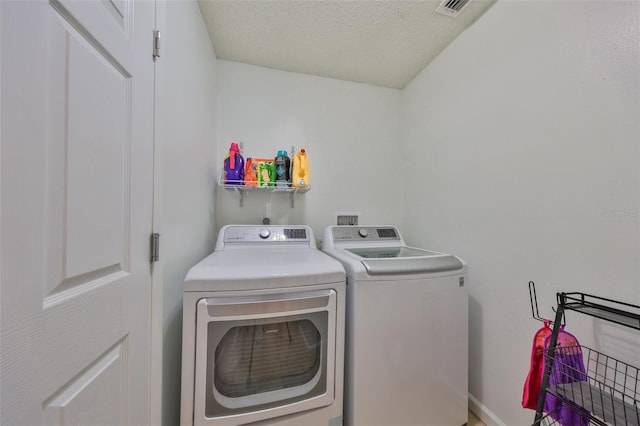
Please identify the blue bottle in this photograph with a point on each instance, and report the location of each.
(282, 164)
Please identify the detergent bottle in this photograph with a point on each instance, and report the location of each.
(233, 166)
(282, 165)
(251, 172)
(265, 173)
(300, 174)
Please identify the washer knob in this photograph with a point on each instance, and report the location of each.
(363, 232)
(264, 233)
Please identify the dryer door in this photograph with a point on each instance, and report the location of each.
(260, 357)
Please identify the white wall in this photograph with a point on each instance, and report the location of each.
(522, 143)
(186, 136)
(350, 131)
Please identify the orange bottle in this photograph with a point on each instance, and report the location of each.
(300, 172)
(250, 173)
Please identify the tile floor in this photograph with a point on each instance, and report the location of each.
(474, 421)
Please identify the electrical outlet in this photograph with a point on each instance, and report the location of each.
(347, 218)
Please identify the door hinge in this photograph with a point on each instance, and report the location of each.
(156, 44)
(155, 247)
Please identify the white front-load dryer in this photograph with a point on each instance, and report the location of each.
(406, 357)
(263, 331)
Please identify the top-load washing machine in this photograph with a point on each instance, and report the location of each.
(263, 331)
(407, 330)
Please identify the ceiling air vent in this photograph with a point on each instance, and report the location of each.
(452, 7)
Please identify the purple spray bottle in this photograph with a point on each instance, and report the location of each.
(234, 166)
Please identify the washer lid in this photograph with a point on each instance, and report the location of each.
(404, 260)
(380, 251)
(411, 264)
(390, 252)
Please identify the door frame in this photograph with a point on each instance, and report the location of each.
(157, 281)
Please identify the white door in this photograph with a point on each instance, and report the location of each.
(76, 178)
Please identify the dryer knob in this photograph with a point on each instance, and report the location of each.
(363, 233)
(264, 233)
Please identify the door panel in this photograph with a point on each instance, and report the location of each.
(98, 148)
(82, 402)
(76, 180)
(89, 162)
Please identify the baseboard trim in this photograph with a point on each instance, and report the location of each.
(483, 413)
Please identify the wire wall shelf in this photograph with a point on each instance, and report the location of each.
(242, 187)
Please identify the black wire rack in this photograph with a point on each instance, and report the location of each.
(605, 392)
(582, 386)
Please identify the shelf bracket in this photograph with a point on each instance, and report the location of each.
(240, 193)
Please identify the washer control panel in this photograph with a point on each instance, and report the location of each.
(365, 233)
(262, 233)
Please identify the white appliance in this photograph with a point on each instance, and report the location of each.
(406, 356)
(263, 331)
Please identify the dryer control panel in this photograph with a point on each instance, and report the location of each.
(257, 234)
(368, 233)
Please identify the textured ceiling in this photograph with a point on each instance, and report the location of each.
(384, 43)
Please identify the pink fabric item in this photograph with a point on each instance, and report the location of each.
(534, 378)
